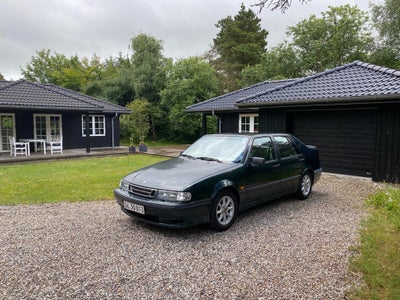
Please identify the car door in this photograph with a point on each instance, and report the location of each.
(291, 163)
(263, 172)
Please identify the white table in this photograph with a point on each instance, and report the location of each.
(35, 142)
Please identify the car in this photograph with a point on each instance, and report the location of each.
(217, 177)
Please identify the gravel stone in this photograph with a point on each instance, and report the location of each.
(286, 249)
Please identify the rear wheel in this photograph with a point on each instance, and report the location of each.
(305, 186)
(223, 210)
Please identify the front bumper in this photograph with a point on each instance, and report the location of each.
(166, 214)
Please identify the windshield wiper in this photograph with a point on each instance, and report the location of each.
(188, 156)
(209, 159)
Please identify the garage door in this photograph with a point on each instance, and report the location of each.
(346, 139)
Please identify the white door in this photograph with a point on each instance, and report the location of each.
(7, 129)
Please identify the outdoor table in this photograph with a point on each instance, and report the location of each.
(35, 142)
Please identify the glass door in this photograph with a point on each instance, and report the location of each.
(47, 126)
(6, 131)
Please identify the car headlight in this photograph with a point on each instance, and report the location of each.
(174, 196)
(124, 186)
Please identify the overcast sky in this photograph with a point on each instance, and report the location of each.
(105, 27)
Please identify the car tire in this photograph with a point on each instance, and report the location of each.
(223, 210)
(305, 186)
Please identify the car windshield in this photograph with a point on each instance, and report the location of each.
(218, 148)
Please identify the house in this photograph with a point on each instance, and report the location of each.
(352, 113)
(40, 111)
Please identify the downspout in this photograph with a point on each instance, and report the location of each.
(112, 130)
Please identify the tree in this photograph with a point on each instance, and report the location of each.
(280, 62)
(283, 5)
(386, 20)
(339, 36)
(189, 81)
(1, 77)
(240, 42)
(148, 73)
(136, 126)
(43, 67)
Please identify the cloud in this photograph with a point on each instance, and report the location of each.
(103, 27)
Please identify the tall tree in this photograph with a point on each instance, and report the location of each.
(280, 62)
(189, 81)
(386, 20)
(283, 5)
(43, 67)
(240, 42)
(147, 67)
(339, 36)
(1, 77)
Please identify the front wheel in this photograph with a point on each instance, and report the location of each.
(223, 210)
(305, 186)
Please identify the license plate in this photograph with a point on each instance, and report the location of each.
(134, 207)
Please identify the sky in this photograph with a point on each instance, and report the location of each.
(105, 27)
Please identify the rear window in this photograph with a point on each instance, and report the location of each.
(286, 147)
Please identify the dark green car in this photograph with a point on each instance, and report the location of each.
(217, 177)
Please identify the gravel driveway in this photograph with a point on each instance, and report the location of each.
(287, 249)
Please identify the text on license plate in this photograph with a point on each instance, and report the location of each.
(134, 207)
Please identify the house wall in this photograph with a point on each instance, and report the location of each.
(71, 130)
(229, 122)
(362, 141)
(72, 133)
(387, 149)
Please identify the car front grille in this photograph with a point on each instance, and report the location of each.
(142, 191)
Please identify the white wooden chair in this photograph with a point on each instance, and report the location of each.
(18, 148)
(55, 144)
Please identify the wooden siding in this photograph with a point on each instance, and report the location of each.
(387, 150)
(229, 122)
(272, 121)
(345, 138)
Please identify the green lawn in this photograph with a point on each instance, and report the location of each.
(67, 180)
(379, 252)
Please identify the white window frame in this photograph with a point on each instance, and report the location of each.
(7, 143)
(251, 124)
(92, 123)
(48, 125)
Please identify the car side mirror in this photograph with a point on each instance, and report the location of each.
(257, 161)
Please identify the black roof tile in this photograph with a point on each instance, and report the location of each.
(23, 94)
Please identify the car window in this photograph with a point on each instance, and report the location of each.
(286, 146)
(220, 147)
(263, 147)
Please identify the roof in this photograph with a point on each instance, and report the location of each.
(23, 94)
(228, 101)
(350, 83)
(356, 82)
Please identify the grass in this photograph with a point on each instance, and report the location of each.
(379, 252)
(67, 180)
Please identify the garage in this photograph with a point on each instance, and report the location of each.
(346, 138)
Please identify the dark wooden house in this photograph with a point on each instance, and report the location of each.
(352, 113)
(39, 111)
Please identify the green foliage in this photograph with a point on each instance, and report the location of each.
(67, 180)
(338, 37)
(136, 125)
(379, 259)
(1, 77)
(240, 42)
(189, 81)
(280, 62)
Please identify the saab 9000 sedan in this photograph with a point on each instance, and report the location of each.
(218, 176)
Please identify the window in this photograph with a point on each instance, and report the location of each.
(97, 125)
(248, 123)
(286, 147)
(263, 147)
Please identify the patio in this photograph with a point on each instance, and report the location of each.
(170, 151)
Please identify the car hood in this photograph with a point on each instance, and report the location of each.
(177, 173)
